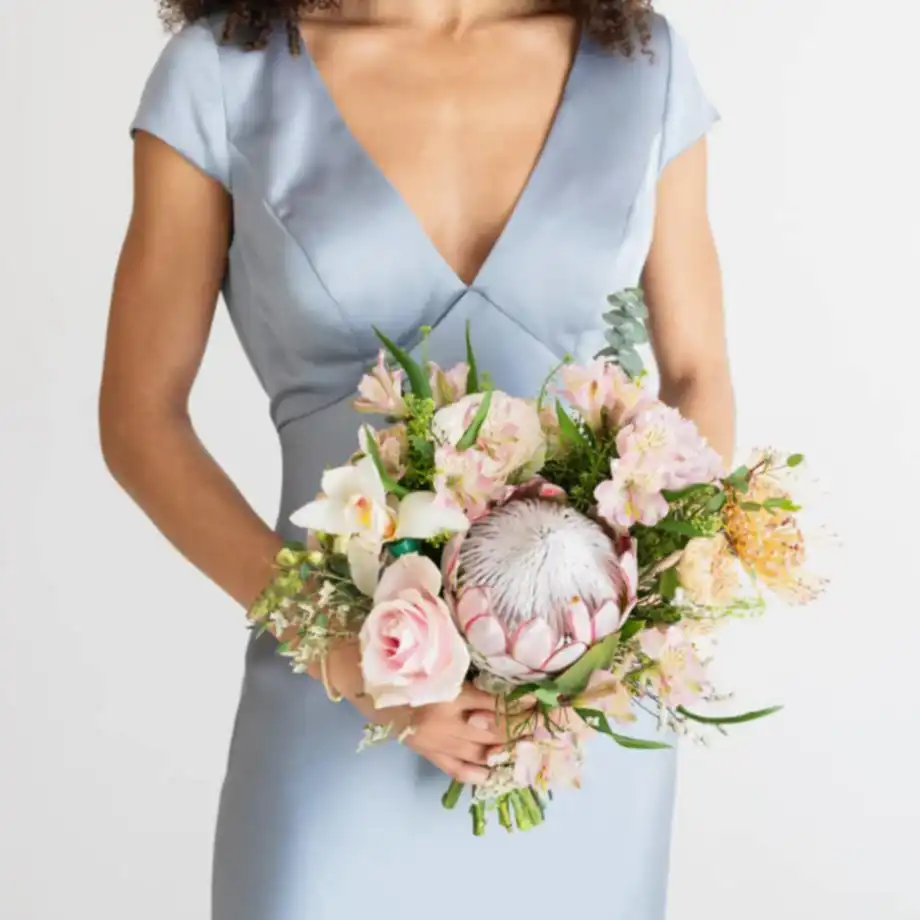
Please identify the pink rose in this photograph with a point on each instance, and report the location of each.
(411, 651)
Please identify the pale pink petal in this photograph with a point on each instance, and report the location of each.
(504, 666)
(564, 657)
(409, 571)
(486, 635)
(578, 621)
(534, 642)
(473, 603)
(607, 620)
(364, 564)
(325, 515)
(450, 558)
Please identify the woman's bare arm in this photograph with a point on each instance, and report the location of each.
(166, 288)
(683, 287)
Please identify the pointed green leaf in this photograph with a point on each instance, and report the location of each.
(472, 377)
(795, 459)
(597, 720)
(471, 433)
(630, 629)
(548, 696)
(751, 506)
(567, 427)
(576, 677)
(389, 483)
(415, 374)
(781, 504)
(717, 502)
(728, 720)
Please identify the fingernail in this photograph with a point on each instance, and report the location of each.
(480, 722)
(499, 759)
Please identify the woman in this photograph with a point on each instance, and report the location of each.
(402, 163)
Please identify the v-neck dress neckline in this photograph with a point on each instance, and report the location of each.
(543, 166)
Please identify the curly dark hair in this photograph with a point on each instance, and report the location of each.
(616, 24)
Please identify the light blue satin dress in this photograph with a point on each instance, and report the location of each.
(323, 248)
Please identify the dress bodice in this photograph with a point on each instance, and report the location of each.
(324, 247)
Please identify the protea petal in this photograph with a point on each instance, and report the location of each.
(486, 636)
(472, 604)
(607, 619)
(578, 621)
(564, 657)
(504, 666)
(534, 642)
(450, 558)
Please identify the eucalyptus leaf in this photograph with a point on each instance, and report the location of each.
(632, 330)
(631, 363)
(615, 338)
(728, 720)
(415, 374)
(576, 677)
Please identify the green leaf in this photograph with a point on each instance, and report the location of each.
(632, 330)
(782, 504)
(576, 677)
(598, 721)
(717, 502)
(471, 433)
(795, 459)
(520, 692)
(751, 506)
(615, 338)
(684, 528)
(676, 495)
(567, 427)
(668, 583)
(415, 374)
(389, 483)
(630, 362)
(630, 629)
(548, 696)
(728, 720)
(472, 377)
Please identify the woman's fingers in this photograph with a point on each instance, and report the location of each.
(490, 728)
(473, 698)
(470, 774)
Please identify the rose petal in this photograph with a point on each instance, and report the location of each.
(409, 571)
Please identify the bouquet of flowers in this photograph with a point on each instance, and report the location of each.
(578, 549)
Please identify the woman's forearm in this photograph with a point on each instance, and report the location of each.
(165, 468)
(709, 402)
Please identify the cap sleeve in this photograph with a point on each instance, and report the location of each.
(688, 112)
(182, 103)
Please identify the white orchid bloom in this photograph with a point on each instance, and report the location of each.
(353, 503)
(353, 506)
(420, 516)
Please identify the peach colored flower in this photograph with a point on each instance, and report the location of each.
(608, 694)
(411, 651)
(708, 571)
(392, 445)
(548, 760)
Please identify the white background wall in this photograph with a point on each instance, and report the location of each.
(120, 666)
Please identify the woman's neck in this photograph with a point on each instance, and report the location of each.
(453, 15)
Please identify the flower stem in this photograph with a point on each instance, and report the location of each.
(521, 813)
(533, 808)
(452, 796)
(478, 811)
(504, 813)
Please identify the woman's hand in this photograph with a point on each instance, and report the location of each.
(458, 737)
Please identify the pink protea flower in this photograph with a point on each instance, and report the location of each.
(534, 584)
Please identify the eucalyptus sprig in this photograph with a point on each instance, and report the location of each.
(626, 321)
